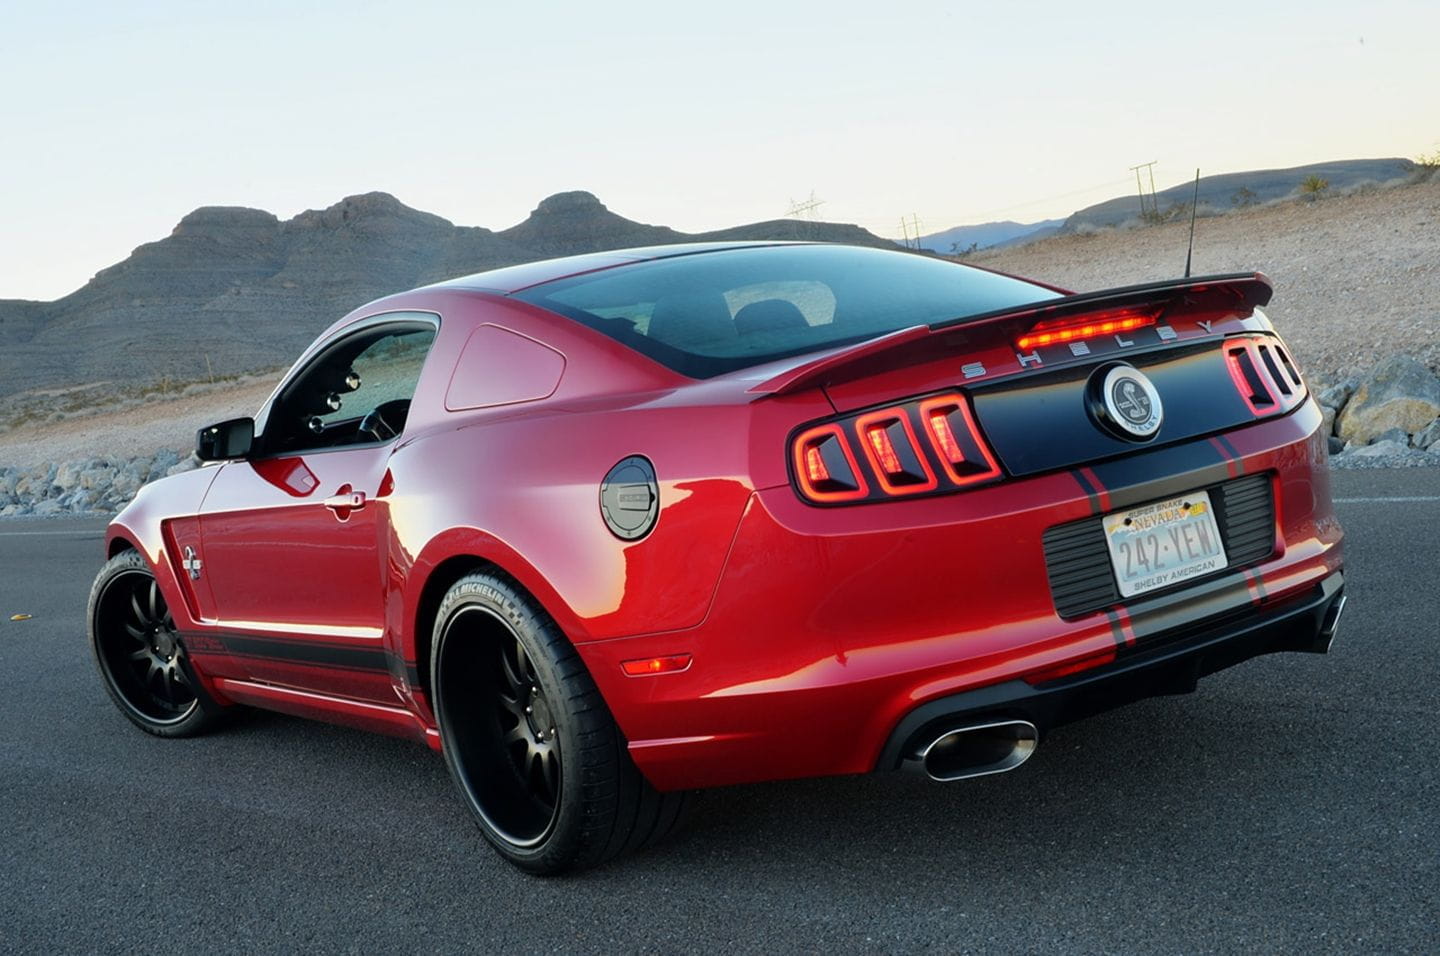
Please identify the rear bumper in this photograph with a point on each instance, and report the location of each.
(831, 628)
(1302, 623)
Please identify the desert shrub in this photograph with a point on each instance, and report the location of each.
(1429, 160)
(1243, 197)
(1312, 186)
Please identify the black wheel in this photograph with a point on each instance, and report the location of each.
(140, 657)
(528, 739)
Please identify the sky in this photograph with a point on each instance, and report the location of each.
(117, 119)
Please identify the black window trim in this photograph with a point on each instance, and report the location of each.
(400, 318)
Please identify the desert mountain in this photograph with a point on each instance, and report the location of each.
(234, 289)
(987, 234)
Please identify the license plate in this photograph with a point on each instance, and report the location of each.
(1164, 543)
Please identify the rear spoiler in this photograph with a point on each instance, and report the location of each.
(1240, 292)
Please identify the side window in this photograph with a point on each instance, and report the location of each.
(356, 392)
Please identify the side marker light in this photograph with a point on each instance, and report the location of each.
(672, 664)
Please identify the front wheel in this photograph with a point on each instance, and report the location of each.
(139, 654)
(528, 739)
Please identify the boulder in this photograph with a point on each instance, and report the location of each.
(1429, 436)
(1398, 435)
(1400, 392)
(99, 477)
(1335, 396)
(67, 476)
(1328, 415)
(124, 486)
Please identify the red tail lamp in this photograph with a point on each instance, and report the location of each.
(1263, 374)
(645, 667)
(898, 450)
(952, 430)
(825, 466)
(1242, 359)
(1060, 331)
(894, 453)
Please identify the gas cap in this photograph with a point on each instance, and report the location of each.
(630, 498)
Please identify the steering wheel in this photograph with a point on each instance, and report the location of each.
(386, 420)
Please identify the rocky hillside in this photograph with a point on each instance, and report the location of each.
(234, 289)
(1230, 190)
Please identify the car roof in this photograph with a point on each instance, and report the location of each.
(511, 279)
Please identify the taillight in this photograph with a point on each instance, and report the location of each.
(894, 454)
(899, 447)
(1263, 374)
(952, 429)
(1060, 331)
(826, 467)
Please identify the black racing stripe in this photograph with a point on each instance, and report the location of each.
(1117, 630)
(1234, 455)
(1090, 491)
(1259, 585)
(1161, 473)
(1173, 612)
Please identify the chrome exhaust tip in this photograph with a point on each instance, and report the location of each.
(1329, 626)
(976, 750)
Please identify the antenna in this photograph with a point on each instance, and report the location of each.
(1194, 205)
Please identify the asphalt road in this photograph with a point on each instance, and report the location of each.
(1293, 803)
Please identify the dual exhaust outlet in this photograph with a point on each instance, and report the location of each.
(975, 750)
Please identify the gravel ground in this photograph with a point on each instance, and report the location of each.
(130, 432)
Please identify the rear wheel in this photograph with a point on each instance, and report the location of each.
(528, 739)
(139, 654)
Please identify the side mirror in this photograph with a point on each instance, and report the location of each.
(225, 441)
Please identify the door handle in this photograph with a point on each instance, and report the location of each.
(345, 502)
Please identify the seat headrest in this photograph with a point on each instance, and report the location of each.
(690, 320)
(769, 315)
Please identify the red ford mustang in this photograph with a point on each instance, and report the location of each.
(610, 528)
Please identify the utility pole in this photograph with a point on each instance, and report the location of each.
(1154, 203)
(906, 226)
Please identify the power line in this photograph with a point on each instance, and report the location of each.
(805, 208)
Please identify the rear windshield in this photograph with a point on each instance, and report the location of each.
(704, 314)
